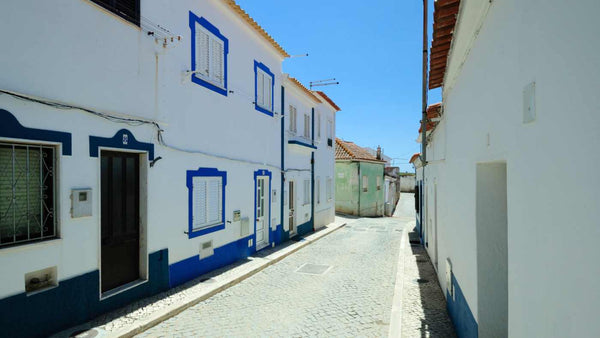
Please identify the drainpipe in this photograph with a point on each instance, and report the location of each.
(281, 219)
(424, 92)
(424, 110)
(312, 171)
(359, 187)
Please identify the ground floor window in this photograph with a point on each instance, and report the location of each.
(207, 195)
(306, 192)
(318, 190)
(27, 193)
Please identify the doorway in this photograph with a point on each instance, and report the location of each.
(292, 208)
(492, 250)
(262, 211)
(120, 219)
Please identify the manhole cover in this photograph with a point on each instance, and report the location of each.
(421, 281)
(314, 269)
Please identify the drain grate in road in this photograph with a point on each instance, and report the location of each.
(421, 281)
(313, 269)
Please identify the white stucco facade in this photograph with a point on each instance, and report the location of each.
(549, 258)
(79, 54)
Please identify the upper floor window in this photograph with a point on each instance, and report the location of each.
(329, 133)
(263, 88)
(127, 9)
(209, 55)
(306, 192)
(293, 117)
(318, 125)
(27, 193)
(306, 126)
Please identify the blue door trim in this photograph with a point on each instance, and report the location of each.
(262, 172)
(123, 139)
(11, 128)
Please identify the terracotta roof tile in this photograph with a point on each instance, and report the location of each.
(345, 150)
(330, 101)
(300, 86)
(414, 158)
(244, 16)
(444, 21)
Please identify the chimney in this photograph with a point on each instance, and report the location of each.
(378, 152)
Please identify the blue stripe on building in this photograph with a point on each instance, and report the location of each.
(460, 313)
(75, 301)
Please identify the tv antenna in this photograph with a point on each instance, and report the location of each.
(326, 82)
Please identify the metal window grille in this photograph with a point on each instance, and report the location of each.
(27, 193)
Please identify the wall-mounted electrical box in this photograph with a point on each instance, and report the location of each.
(206, 250)
(245, 227)
(237, 215)
(81, 202)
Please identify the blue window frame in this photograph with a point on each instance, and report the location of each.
(209, 55)
(206, 201)
(264, 82)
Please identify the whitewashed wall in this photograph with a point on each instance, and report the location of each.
(552, 228)
(75, 52)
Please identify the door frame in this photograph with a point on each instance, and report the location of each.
(264, 173)
(143, 207)
(292, 200)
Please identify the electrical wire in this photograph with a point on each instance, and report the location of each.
(136, 122)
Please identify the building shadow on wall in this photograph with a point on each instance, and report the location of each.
(435, 320)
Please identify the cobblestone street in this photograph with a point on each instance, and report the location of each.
(342, 285)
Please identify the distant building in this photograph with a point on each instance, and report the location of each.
(359, 180)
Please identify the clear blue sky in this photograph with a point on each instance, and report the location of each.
(373, 48)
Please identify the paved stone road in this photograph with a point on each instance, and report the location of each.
(351, 297)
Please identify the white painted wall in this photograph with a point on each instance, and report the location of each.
(75, 52)
(552, 229)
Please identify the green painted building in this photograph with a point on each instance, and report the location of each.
(359, 183)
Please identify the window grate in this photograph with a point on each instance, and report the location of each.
(27, 186)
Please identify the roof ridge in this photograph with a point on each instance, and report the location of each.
(340, 141)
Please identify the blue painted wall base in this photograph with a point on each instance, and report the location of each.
(460, 313)
(74, 301)
(305, 228)
(193, 267)
(279, 235)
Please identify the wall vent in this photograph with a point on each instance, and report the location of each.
(245, 227)
(40, 280)
(206, 249)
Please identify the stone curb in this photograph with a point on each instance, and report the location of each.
(173, 310)
(397, 308)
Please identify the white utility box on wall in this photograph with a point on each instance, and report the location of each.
(81, 202)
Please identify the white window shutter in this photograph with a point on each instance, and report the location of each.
(213, 207)
(202, 52)
(259, 88)
(217, 60)
(199, 202)
(268, 92)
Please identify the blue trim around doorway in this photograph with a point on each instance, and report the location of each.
(75, 301)
(123, 139)
(262, 172)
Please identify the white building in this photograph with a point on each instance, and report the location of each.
(515, 247)
(141, 145)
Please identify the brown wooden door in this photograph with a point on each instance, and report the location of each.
(120, 205)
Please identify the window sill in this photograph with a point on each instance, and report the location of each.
(302, 142)
(199, 80)
(263, 110)
(205, 230)
(31, 245)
